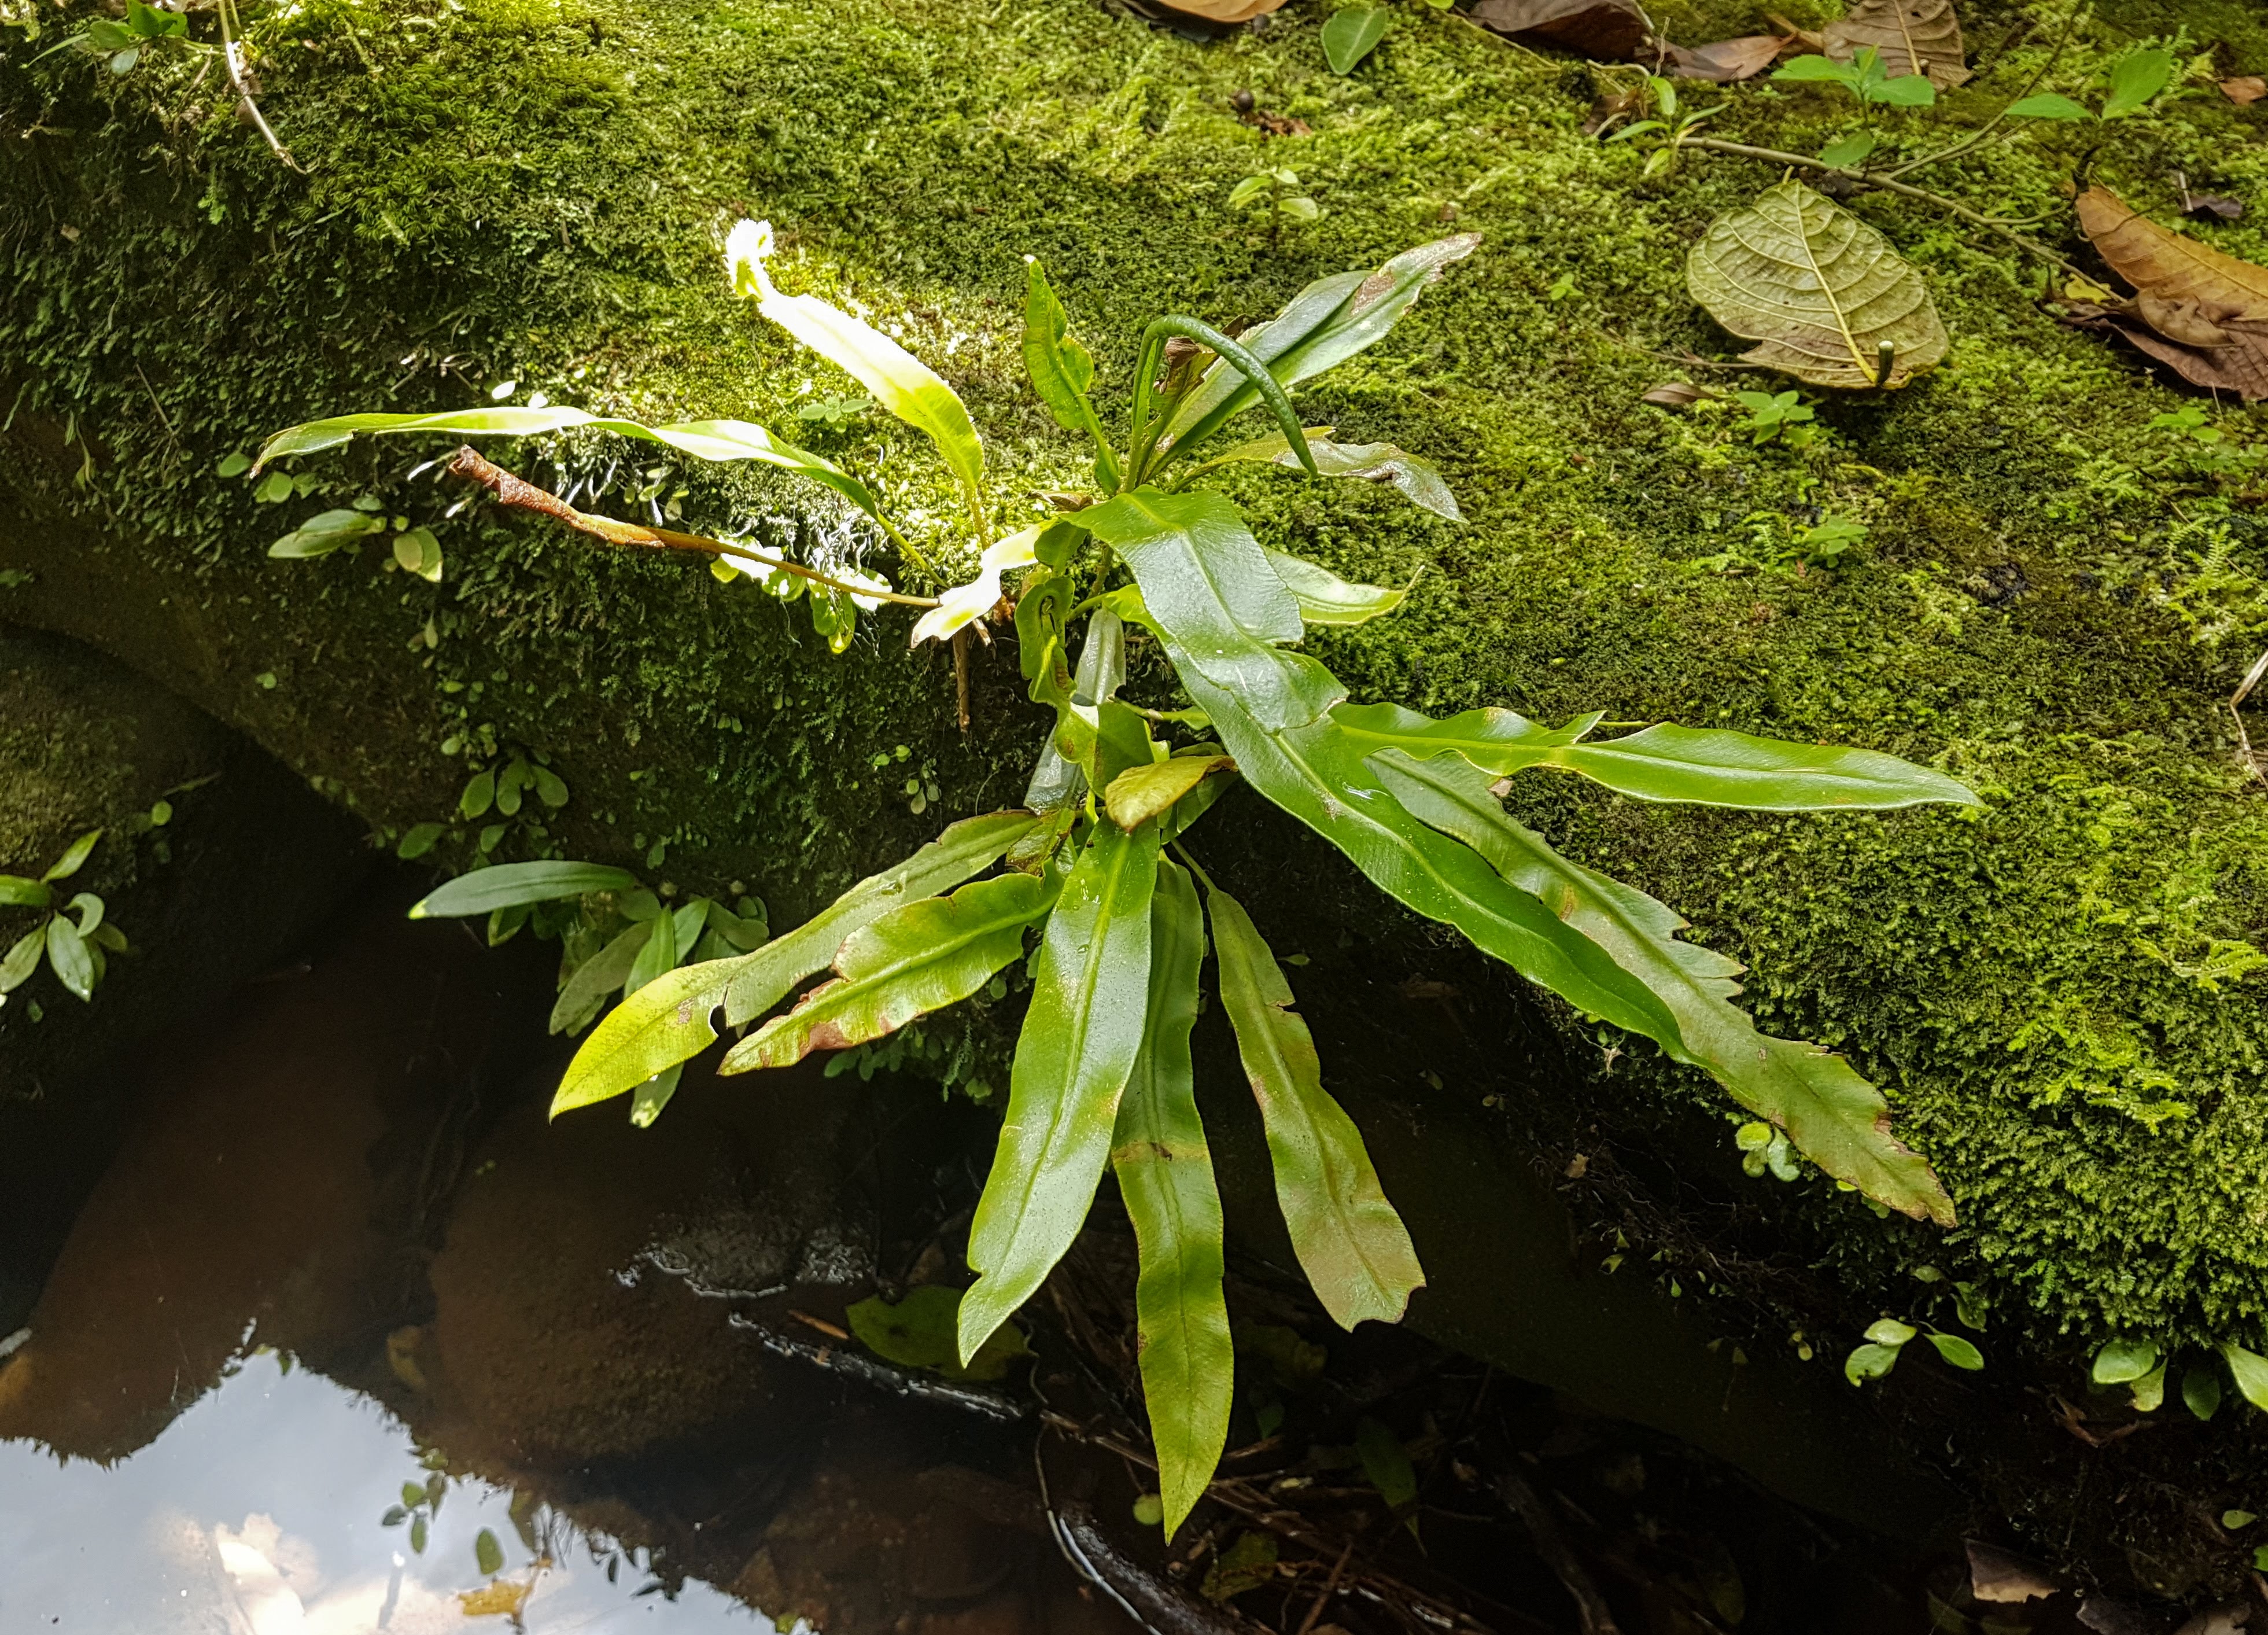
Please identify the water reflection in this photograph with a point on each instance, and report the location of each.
(258, 1511)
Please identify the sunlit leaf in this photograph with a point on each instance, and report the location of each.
(1324, 324)
(965, 604)
(1869, 1362)
(22, 958)
(650, 1099)
(507, 885)
(703, 440)
(1350, 1243)
(1351, 35)
(1079, 1039)
(668, 1020)
(901, 382)
(2135, 78)
(2122, 1361)
(1164, 1175)
(18, 892)
(1961, 1354)
(2249, 1371)
(911, 961)
(1834, 1116)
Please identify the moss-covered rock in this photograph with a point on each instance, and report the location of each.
(2055, 596)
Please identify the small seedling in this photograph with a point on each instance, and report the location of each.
(1670, 125)
(1864, 77)
(1276, 193)
(75, 949)
(2132, 83)
(1777, 417)
(1886, 1342)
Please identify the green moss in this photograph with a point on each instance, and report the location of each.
(536, 193)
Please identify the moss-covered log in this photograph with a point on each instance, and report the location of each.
(2054, 993)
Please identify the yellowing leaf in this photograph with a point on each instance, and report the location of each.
(502, 1599)
(1140, 793)
(1821, 291)
(965, 604)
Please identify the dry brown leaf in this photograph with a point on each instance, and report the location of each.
(1727, 60)
(1227, 14)
(1674, 394)
(2171, 266)
(1615, 105)
(1996, 1575)
(1612, 29)
(1809, 38)
(1914, 37)
(2238, 365)
(2245, 89)
(499, 1598)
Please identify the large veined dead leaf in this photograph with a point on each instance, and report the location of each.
(2202, 314)
(1611, 29)
(1818, 290)
(2168, 265)
(1913, 37)
(1224, 11)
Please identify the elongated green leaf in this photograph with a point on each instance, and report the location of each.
(1203, 576)
(667, 1020)
(1838, 1119)
(900, 382)
(71, 959)
(508, 885)
(2249, 1371)
(1698, 766)
(18, 892)
(1316, 773)
(1370, 462)
(1350, 1243)
(1324, 597)
(329, 531)
(1077, 1049)
(74, 857)
(1062, 370)
(1164, 1175)
(911, 961)
(650, 1098)
(703, 440)
(1324, 324)
(1821, 291)
(596, 977)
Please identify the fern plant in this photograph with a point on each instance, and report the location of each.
(1093, 866)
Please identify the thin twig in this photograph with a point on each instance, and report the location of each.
(232, 54)
(517, 495)
(1904, 189)
(2070, 21)
(1551, 1544)
(1330, 1589)
(2236, 701)
(961, 675)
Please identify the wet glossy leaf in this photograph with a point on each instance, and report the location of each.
(1324, 324)
(1959, 1352)
(69, 958)
(703, 440)
(1158, 1152)
(1323, 598)
(1911, 36)
(1696, 766)
(1141, 793)
(1350, 1242)
(1351, 35)
(488, 1555)
(1834, 1116)
(668, 1020)
(1063, 370)
(1077, 1048)
(2123, 1360)
(510, 884)
(1821, 291)
(920, 1331)
(911, 961)
(74, 857)
(1203, 576)
(901, 382)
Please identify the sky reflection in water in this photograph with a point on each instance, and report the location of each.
(257, 1512)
